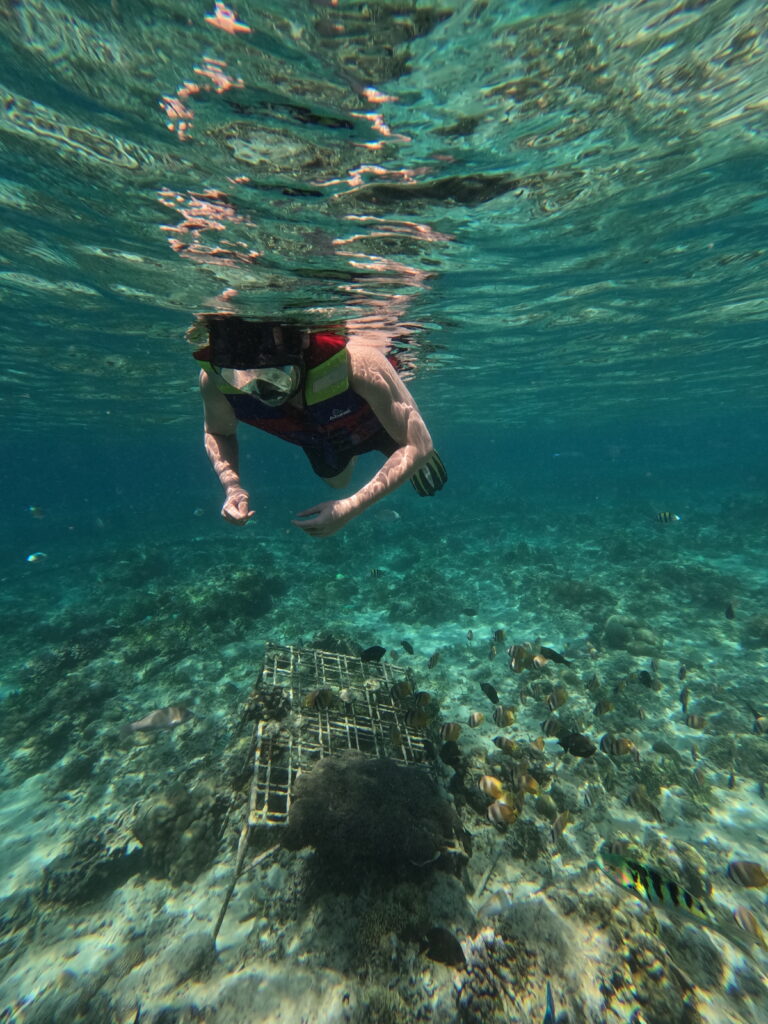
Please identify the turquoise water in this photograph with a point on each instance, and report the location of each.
(557, 213)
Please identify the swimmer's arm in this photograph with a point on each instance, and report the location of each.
(374, 378)
(222, 449)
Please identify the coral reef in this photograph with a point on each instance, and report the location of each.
(359, 811)
(179, 830)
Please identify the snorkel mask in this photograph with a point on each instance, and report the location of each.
(259, 359)
(272, 385)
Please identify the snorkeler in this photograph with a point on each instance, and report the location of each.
(311, 388)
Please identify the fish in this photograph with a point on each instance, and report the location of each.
(560, 823)
(36, 512)
(648, 679)
(667, 517)
(748, 873)
(490, 692)
(375, 653)
(554, 656)
(499, 636)
(422, 699)
(450, 754)
(642, 801)
(695, 721)
(618, 746)
(760, 725)
(685, 694)
(745, 919)
(549, 1016)
(557, 698)
(417, 718)
(476, 718)
(603, 707)
(506, 745)
(539, 662)
(402, 689)
(491, 652)
(450, 731)
(491, 786)
(520, 657)
(442, 946)
(651, 885)
(666, 750)
(503, 716)
(729, 612)
(137, 1018)
(553, 726)
(546, 807)
(319, 700)
(469, 611)
(389, 515)
(501, 813)
(37, 556)
(578, 744)
(470, 636)
(526, 783)
(433, 660)
(377, 572)
(162, 718)
(682, 672)
(407, 646)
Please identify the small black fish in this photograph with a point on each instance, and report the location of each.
(441, 945)
(667, 517)
(375, 653)
(433, 660)
(377, 572)
(490, 692)
(554, 656)
(407, 646)
(578, 744)
(729, 612)
(450, 754)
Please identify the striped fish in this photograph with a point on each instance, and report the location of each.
(652, 886)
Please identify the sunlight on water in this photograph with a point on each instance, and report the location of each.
(573, 185)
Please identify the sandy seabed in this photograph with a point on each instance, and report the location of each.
(117, 850)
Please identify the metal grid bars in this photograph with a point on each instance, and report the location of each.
(334, 702)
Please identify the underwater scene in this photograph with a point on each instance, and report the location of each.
(477, 734)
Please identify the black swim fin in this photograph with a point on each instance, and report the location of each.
(430, 478)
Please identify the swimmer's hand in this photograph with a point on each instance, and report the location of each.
(324, 519)
(235, 508)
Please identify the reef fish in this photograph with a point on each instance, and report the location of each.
(441, 945)
(375, 653)
(651, 885)
(554, 656)
(407, 646)
(490, 692)
(162, 718)
(578, 744)
(748, 873)
(667, 517)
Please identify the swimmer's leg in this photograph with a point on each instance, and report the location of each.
(342, 479)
